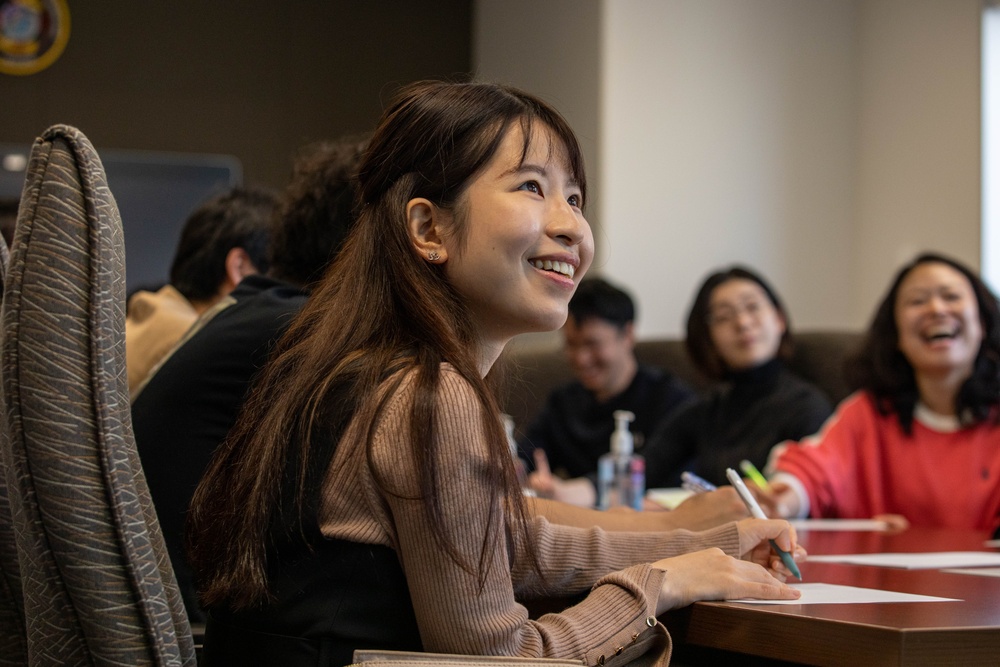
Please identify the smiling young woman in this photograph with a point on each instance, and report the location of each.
(516, 240)
(921, 438)
(367, 497)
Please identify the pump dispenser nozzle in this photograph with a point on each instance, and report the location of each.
(621, 440)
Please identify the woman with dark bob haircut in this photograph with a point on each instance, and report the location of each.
(367, 497)
(739, 333)
(919, 442)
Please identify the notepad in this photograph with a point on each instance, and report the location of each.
(839, 524)
(916, 561)
(837, 594)
(980, 571)
(669, 498)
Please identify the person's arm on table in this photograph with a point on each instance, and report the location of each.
(815, 476)
(790, 501)
(572, 558)
(479, 614)
(820, 477)
(699, 512)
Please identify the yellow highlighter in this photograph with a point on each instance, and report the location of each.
(750, 470)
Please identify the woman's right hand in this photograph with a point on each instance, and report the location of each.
(713, 575)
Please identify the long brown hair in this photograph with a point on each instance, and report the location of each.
(380, 310)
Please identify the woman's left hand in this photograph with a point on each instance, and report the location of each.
(755, 536)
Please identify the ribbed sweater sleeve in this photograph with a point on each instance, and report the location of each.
(572, 559)
(456, 611)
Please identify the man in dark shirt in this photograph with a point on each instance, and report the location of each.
(189, 405)
(574, 429)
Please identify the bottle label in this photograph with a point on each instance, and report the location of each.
(621, 482)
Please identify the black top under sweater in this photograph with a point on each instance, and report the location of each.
(188, 406)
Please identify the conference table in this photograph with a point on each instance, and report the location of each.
(899, 633)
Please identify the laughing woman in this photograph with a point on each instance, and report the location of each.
(367, 497)
(921, 439)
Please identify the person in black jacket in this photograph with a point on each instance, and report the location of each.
(738, 333)
(190, 403)
(574, 428)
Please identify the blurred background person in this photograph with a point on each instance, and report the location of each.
(574, 428)
(186, 409)
(738, 334)
(919, 442)
(224, 240)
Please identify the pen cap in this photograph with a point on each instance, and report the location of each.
(621, 440)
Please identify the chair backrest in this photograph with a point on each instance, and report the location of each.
(97, 583)
(13, 647)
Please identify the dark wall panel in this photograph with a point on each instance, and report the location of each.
(253, 79)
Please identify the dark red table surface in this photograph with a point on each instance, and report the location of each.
(903, 633)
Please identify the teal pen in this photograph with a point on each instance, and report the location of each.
(757, 513)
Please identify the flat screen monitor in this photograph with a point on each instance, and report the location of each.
(155, 192)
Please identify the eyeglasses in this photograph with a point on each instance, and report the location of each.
(729, 313)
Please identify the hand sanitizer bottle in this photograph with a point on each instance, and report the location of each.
(621, 474)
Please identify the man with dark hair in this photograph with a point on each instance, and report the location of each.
(189, 405)
(574, 429)
(224, 240)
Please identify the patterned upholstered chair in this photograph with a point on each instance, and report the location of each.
(13, 647)
(97, 583)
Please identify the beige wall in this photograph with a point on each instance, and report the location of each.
(552, 48)
(821, 141)
(919, 146)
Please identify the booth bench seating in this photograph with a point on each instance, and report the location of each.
(536, 370)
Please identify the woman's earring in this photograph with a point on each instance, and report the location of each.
(433, 256)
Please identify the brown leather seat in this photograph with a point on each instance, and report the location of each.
(818, 357)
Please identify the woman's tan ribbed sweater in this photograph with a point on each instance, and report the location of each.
(453, 614)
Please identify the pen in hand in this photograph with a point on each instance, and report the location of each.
(758, 513)
(692, 482)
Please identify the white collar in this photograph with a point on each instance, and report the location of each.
(934, 420)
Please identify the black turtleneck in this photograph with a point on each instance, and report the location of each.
(741, 419)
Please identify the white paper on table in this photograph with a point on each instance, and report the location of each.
(916, 561)
(669, 498)
(836, 594)
(981, 571)
(839, 524)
